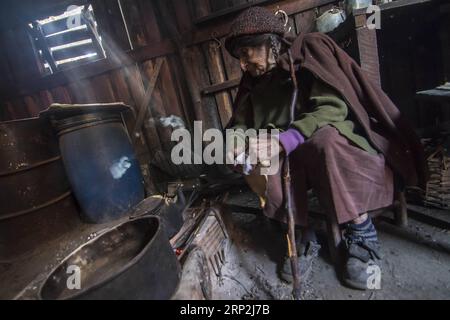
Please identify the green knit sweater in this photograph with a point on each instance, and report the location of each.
(269, 101)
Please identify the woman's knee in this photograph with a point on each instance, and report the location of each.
(324, 140)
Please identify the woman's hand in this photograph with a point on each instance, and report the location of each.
(265, 147)
(234, 153)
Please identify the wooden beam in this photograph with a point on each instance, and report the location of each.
(393, 5)
(91, 25)
(143, 107)
(196, 75)
(368, 49)
(89, 70)
(217, 75)
(60, 25)
(432, 216)
(221, 86)
(199, 8)
(155, 50)
(222, 26)
(67, 37)
(162, 48)
(43, 45)
(75, 51)
(110, 22)
(182, 14)
(227, 11)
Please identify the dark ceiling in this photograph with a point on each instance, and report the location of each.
(19, 12)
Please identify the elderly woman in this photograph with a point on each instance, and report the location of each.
(347, 140)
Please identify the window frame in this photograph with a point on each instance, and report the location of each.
(43, 49)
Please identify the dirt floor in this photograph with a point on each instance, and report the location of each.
(416, 262)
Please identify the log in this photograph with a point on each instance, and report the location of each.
(195, 283)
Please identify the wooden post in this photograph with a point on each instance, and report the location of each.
(445, 39)
(217, 74)
(368, 48)
(232, 67)
(334, 240)
(401, 210)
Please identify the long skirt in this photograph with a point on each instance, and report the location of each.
(347, 180)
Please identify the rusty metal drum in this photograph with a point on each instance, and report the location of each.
(36, 204)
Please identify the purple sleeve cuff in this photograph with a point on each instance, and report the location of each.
(291, 139)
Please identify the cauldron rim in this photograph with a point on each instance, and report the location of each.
(124, 268)
(19, 120)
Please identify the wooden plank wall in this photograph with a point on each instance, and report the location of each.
(220, 65)
(126, 84)
(211, 64)
(202, 62)
(198, 61)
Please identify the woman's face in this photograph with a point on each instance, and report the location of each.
(256, 60)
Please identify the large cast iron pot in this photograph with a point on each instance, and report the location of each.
(134, 260)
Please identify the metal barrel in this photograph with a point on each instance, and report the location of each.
(35, 199)
(100, 163)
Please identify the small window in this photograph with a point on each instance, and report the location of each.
(67, 39)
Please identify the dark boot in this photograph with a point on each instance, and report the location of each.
(306, 255)
(362, 270)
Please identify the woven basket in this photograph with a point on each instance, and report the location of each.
(437, 193)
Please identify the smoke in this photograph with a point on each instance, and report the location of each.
(172, 121)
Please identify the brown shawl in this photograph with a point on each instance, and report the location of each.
(382, 122)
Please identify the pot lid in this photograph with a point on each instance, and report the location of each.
(60, 111)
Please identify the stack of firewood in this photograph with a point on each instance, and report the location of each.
(438, 186)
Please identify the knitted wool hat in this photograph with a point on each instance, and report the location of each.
(253, 21)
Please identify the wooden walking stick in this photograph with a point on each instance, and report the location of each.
(292, 247)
